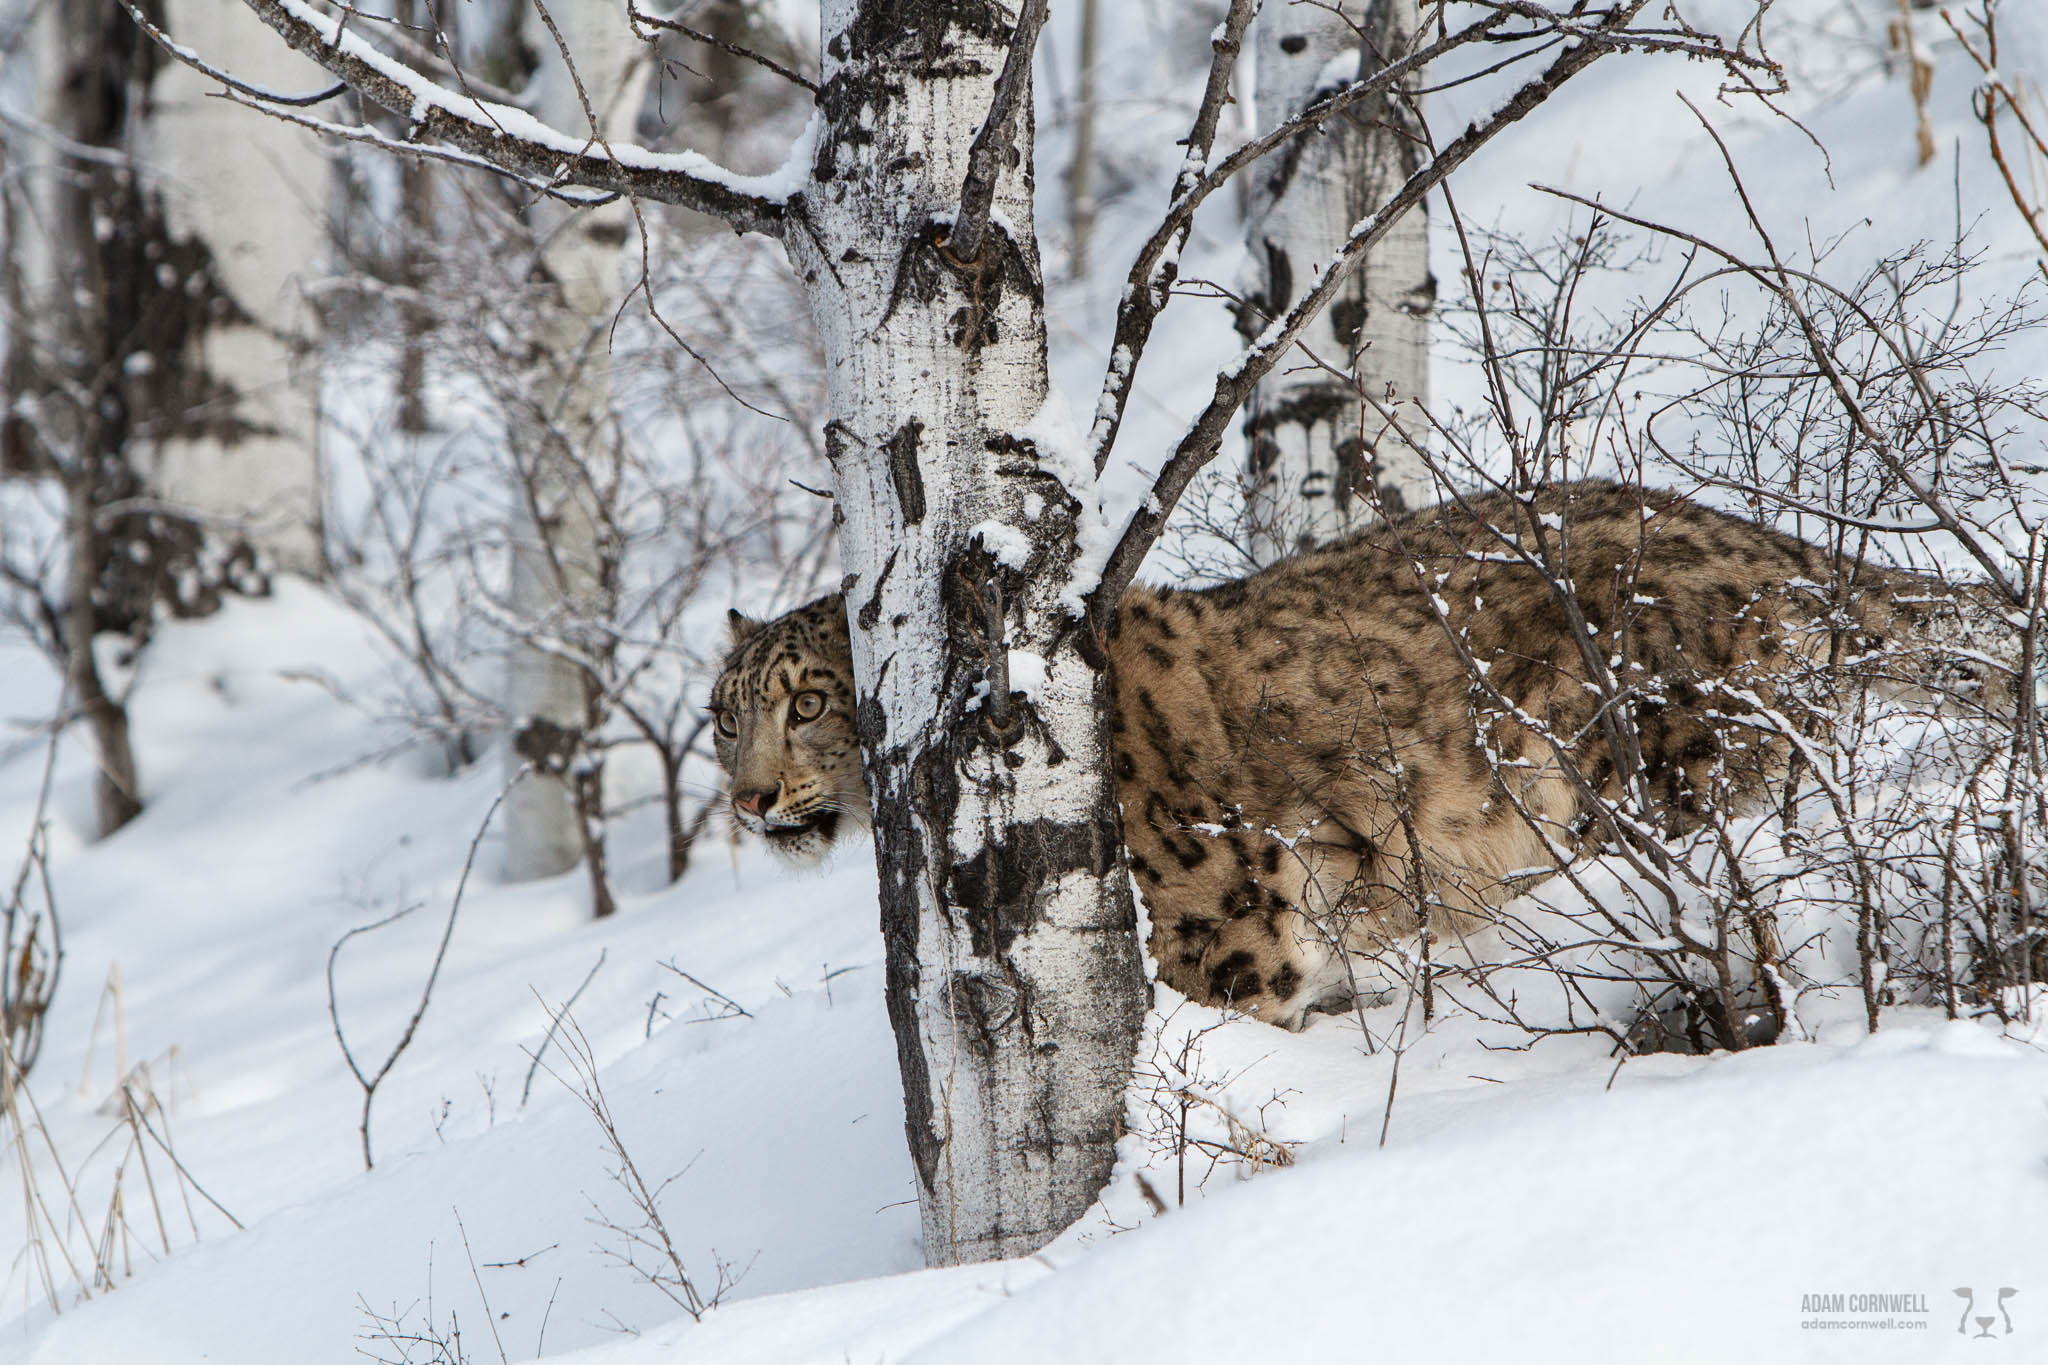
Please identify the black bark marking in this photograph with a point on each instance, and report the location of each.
(836, 439)
(903, 868)
(903, 472)
(999, 890)
(899, 793)
(872, 610)
(982, 1006)
(1347, 320)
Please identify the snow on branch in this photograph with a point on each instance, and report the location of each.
(369, 136)
(510, 138)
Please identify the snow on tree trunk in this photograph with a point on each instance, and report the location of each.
(1014, 977)
(560, 582)
(1311, 441)
(248, 190)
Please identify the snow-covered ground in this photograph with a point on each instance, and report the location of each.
(1849, 1198)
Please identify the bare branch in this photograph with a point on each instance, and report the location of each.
(555, 1018)
(1235, 384)
(370, 136)
(1146, 294)
(640, 16)
(1778, 278)
(204, 68)
(370, 1083)
(1153, 272)
(510, 138)
(992, 145)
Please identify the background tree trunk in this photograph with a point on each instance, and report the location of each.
(152, 334)
(1311, 441)
(554, 817)
(1081, 165)
(1015, 983)
(251, 194)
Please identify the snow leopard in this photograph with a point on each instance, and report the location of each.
(1315, 759)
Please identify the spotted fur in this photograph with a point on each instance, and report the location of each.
(1297, 755)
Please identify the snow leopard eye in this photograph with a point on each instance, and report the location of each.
(808, 705)
(728, 723)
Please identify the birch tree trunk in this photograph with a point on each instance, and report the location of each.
(1311, 441)
(560, 580)
(81, 289)
(112, 309)
(260, 204)
(1014, 979)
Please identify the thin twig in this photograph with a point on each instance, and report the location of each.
(555, 1022)
(370, 1083)
(641, 16)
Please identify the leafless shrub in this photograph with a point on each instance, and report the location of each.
(370, 1079)
(641, 1240)
(71, 1244)
(691, 481)
(416, 1334)
(409, 1335)
(1184, 1118)
(1898, 854)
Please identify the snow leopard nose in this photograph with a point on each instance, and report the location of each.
(757, 800)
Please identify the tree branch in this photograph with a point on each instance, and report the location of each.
(512, 139)
(372, 137)
(985, 159)
(640, 16)
(1152, 274)
(1235, 384)
(1146, 294)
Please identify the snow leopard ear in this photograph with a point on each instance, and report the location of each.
(741, 627)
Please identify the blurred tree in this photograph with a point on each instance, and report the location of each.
(1312, 441)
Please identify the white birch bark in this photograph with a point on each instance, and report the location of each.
(253, 196)
(1015, 985)
(558, 581)
(1311, 442)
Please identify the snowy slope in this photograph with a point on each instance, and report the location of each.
(1528, 1203)
(266, 839)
